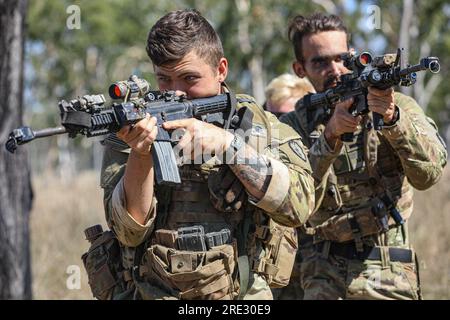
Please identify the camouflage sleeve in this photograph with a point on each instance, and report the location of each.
(416, 140)
(289, 199)
(128, 231)
(321, 155)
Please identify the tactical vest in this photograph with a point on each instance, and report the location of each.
(237, 242)
(351, 209)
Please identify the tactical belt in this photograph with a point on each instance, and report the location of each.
(348, 251)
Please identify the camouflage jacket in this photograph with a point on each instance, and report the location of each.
(410, 153)
(289, 199)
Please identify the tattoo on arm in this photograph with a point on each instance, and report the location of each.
(253, 171)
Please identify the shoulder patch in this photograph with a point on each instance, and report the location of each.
(259, 130)
(298, 150)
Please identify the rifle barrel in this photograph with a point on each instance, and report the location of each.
(49, 132)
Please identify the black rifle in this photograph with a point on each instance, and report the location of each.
(90, 117)
(381, 72)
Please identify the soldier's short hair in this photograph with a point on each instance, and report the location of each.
(302, 26)
(178, 33)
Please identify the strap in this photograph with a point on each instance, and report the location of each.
(233, 103)
(356, 231)
(370, 158)
(385, 257)
(309, 112)
(243, 261)
(164, 196)
(419, 291)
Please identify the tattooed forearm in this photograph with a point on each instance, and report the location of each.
(253, 171)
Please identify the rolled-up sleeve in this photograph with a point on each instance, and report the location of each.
(289, 199)
(278, 187)
(129, 232)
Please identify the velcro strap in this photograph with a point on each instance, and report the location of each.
(271, 269)
(261, 266)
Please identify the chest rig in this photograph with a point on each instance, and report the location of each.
(366, 189)
(189, 203)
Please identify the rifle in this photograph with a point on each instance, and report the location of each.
(90, 117)
(381, 72)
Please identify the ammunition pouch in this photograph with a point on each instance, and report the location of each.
(281, 246)
(103, 266)
(191, 275)
(350, 226)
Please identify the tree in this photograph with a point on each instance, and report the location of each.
(15, 186)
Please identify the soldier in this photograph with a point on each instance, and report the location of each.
(284, 91)
(161, 229)
(346, 253)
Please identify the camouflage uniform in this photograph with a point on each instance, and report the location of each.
(345, 253)
(289, 201)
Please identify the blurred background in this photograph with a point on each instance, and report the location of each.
(72, 48)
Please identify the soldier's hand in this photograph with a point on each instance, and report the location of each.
(200, 137)
(382, 102)
(341, 122)
(140, 137)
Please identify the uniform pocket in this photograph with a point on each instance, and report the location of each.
(102, 264)
(190, 275)
(370, 280)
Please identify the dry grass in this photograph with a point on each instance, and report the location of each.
(430, 235)
(60, 214)
(62, 211)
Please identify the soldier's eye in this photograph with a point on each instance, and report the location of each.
(191, 78)
(163, 79)
(322, 63)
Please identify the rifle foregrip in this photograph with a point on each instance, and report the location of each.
(165, 164)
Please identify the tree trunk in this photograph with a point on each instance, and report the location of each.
(404, 38)
(255, 64)
(15, 187)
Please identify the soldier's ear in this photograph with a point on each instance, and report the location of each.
(222, 69)
(299, 70)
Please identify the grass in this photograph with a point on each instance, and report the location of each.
(62, 211)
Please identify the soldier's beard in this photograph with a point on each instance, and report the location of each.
(330, 82)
